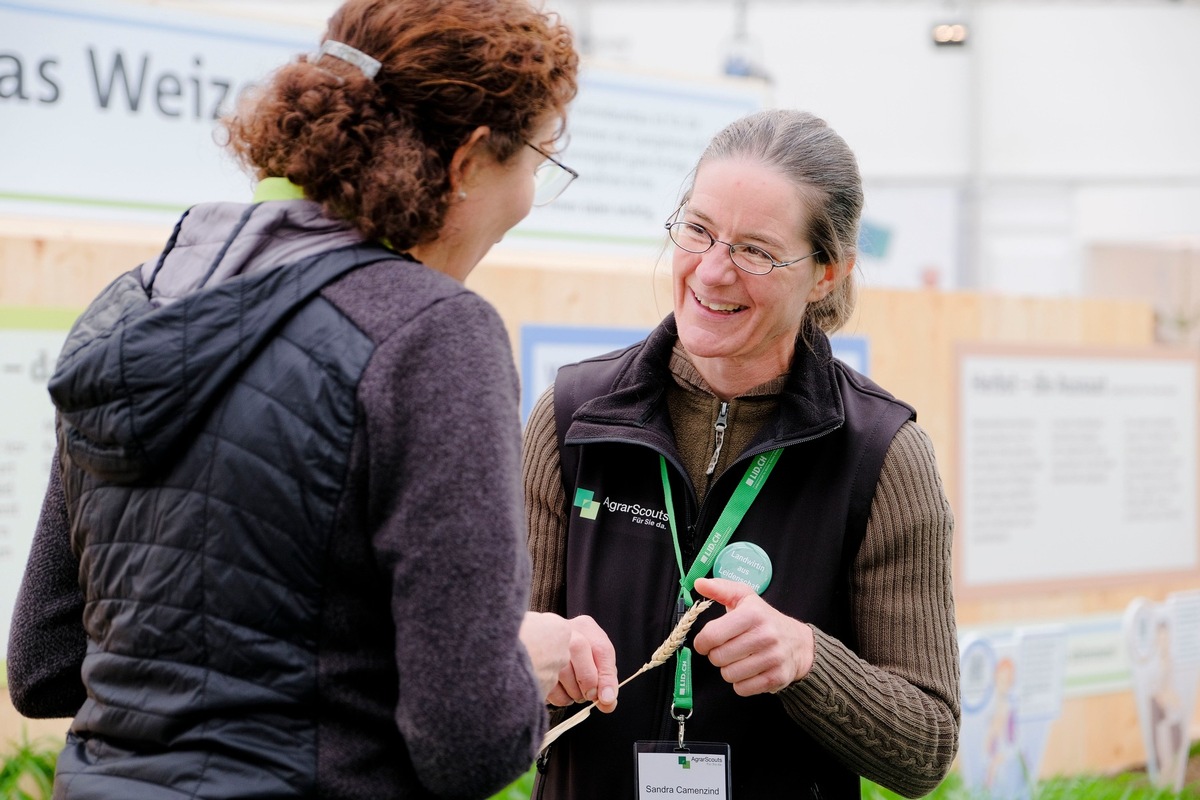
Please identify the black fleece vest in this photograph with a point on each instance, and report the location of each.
(836, 427)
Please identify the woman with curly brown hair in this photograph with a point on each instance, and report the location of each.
(280, 554)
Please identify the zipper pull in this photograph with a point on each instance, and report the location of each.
(720, 428)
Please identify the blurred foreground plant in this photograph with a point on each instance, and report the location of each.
(520, 789)
(27, 769)
(1125, 786)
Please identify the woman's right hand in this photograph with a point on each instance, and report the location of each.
(547, 637)
(591, 673)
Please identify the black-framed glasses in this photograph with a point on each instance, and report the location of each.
(695, 238)
(550, 179)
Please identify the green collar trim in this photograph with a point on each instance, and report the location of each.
(283, 189)
(277, 189)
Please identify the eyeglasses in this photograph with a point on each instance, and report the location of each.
(695, 238)
(550, 179)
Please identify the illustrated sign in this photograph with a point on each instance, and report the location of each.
(1164, 654)
(1096, 661)
(1080, 466)
(545, 348)
(1012, 692)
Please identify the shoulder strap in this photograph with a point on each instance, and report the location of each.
(568, 396)
(258, 304)
(885, 414)
(325, 268)
(574, 385)
(881, 418)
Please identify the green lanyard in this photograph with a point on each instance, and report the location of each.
(743, 497)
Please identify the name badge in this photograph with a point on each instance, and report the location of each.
(700, 769)
(744, 562)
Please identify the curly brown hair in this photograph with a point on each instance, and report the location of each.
(376, 152)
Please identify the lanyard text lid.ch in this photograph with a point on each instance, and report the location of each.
(739, 503)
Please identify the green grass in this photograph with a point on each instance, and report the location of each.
(1126, 786)
(27, 773)
(27, 769)
(1117, 787)
(520, 789)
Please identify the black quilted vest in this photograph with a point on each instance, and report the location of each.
(201, 508)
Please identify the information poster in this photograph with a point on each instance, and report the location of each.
(634, 139)
(29, 345)
(148, 85)
(1076, 466)
(118, 96)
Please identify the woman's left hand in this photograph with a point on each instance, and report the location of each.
(757, 648)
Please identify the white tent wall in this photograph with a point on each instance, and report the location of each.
(1058, 125)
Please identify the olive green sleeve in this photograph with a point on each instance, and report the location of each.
(891, 711)
(545, 507)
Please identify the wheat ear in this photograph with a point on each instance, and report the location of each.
(674, 641)
(660, 657)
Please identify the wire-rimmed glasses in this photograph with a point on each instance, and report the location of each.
(550, 179)
(695, 238)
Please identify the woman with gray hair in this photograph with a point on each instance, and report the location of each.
(729, 455)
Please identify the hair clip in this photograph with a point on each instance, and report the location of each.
(369, 66)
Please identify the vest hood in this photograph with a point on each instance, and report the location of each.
(139, 368)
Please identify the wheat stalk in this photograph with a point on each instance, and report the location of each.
(660, 657)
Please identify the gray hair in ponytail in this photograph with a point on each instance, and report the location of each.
(803, 149)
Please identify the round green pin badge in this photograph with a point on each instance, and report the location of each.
(744, 562)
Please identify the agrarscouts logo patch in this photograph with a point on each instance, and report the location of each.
(588, 508)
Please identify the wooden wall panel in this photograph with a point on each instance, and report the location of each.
(912, 339)
(13, 726)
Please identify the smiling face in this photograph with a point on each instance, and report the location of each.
(740, 329)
